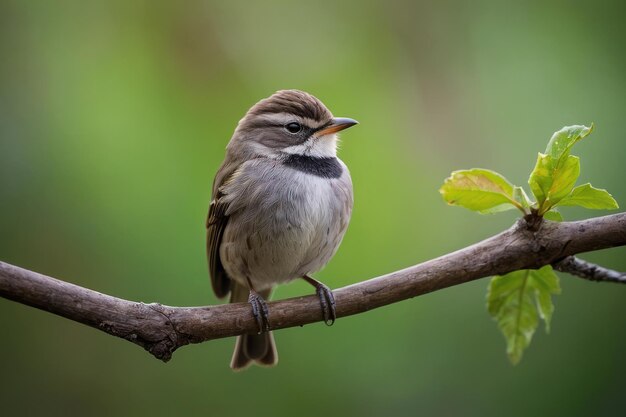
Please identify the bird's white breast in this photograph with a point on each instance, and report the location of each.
(284, 223)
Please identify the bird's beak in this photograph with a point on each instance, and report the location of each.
(336, 125)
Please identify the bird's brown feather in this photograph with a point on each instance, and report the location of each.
(216, 222)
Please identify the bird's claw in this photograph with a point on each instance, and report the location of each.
(260, 311)
(327, 302)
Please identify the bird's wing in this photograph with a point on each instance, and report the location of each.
(216, 223)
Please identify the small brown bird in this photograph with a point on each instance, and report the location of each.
(281, 204)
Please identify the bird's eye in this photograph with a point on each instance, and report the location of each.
(293, 127)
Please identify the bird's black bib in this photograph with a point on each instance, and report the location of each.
(320, 167)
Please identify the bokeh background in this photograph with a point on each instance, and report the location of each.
(114, 117)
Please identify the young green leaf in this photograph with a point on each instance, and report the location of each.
(546, 283)
(553, 215)
(517, 300)
(551, 181)
(480, 190)
(520, 196)
(563, 179)
(562, 141)
(589, 197)
(510, 303)
(540, 178)
(556, 171)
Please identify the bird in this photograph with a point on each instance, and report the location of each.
(280, 205)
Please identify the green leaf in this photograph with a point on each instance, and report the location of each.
(556, 172)
(480, 190)
(551, 181)
(562, 141)
(553, 215)
(589, 197)
(546, 283)
(517, 300)
(540, 178)
(563, 179)
(510, 303)
(520, 196)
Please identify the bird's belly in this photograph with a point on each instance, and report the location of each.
(278, 239)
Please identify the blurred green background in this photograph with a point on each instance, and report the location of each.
(114, 117)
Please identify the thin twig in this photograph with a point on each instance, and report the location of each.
(162, 329)
(588, 270)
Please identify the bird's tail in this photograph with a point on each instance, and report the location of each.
(252, 348)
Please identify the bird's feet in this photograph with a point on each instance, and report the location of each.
(260, 311)
(327, 300)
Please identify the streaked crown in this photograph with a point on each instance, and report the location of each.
(294, 102)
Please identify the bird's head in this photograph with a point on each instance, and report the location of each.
(290, 122)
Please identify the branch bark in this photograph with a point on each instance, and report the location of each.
(162, 329)
(588, 270)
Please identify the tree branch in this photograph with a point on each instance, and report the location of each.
(161, 329)
(588, 270)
